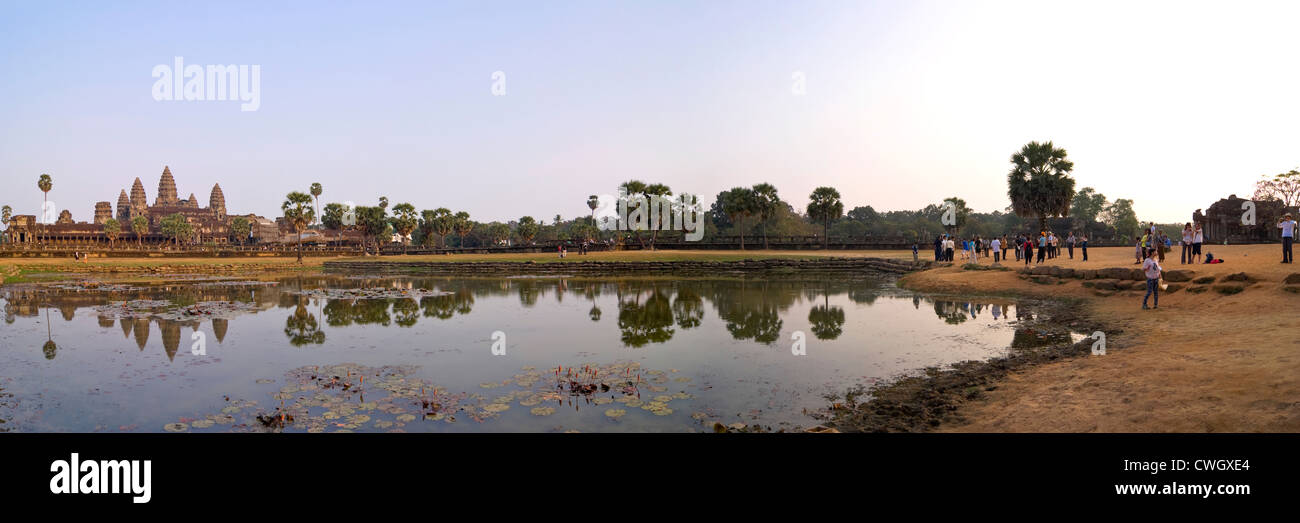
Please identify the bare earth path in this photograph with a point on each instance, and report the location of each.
(1201, 363)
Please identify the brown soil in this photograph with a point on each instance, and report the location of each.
(1203, 362)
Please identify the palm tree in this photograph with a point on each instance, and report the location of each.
(140, 226)
(739, 204)
(316, 191)
(463, 226)
(404, 221)
(632, 188)
(662, 191)
(6, 214)
(527, 229)
(383, 203)
(239, 228)
(1039, 183)
(45, 184)
(593, 202)
(766, 203)
(444, 222)
(298, 213)
(824, 205)
(112, 228)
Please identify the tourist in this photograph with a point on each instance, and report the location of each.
(1152, 269)
(1188, 234)
(948, 246)
(916, 253)
(1004, 247)
(1139, 252)
(996, 246)
(1042, 246)
(1146, 243)
(1197, 239)
(1027, 246)
(1083, 245)
(1161, 244)
(975, 250)
(938, 248)
(1287, 224)
(1069, 244)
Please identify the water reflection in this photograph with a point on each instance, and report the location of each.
(722, 343)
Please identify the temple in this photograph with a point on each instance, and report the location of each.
(211, 224)
(1223, 221)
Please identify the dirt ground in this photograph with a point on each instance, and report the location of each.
(1206, 362)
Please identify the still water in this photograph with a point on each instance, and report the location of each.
(337, 353)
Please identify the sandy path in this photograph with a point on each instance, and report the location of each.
(1201, 363)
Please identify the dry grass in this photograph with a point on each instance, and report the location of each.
(1200, 363)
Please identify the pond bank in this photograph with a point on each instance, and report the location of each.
(774, 266)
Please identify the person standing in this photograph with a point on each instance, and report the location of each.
(1028, 247)
(916, 253)
(1069, 244)
(947, 249)
(1197, 238)
(1042, 246)
(1288, 225)
(1152, 269)
(938, 248)
(996, 247)
(1188, 235)
(1083, 245)
(1161, 244)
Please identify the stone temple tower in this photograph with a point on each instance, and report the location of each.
(167, 189)
(139, 203)
(103, 211)
(123, 207)
(217, 202)
(193, 202)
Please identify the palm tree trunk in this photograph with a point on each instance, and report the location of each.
(299, 246)
(765, 246)
(740, 228)
(826, 239)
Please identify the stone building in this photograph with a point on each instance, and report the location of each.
(1225, 221)
(211, 224)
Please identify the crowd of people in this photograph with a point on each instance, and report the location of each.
(1000, 249)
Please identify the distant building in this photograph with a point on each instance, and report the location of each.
(1226, 220)
(211, 223)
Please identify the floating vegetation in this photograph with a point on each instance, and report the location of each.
(352, 397)
(167, 310)
(94, 286)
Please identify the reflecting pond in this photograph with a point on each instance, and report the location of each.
(338, 353)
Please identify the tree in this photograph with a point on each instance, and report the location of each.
(463, 226)
(1039, 183)
(383, 203)
(824, 205)
(660, 191)
(1121, 216)
(593, 202)
(499, 233)
(1087, 206)
(298, 213)
(739, 203)
(240, 227)
(45, 183)
(527, 229)
(177, 228)
(112, 229)
(333, 215)
(766, 204)
(404, 221)
(140, 226)
(961, 213)
(1283, 187)
(371, 221)
(316, 191)
(6, 214)
(442, 222)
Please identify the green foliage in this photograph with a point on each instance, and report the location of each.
(1039, 183)
(1122, 218)
(404, 220)
(240, 227)
(140, 226)
(176, 227)
(527, 229)
(332, 216)
(112, 229)
(824, 205)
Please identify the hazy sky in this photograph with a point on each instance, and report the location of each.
(1171, 104)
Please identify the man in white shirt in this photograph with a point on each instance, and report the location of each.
(1152, 269)
(948, 246)
(1288, 226)
(996, 247)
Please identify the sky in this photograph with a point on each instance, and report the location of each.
(903, 103)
